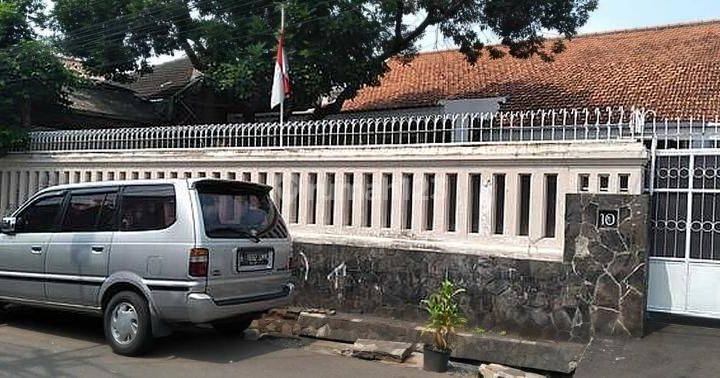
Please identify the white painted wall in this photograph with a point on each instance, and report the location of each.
(21, 175)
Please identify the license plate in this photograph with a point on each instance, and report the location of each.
(250, 259)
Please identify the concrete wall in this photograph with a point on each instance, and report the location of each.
(599, 289)
(389, 184)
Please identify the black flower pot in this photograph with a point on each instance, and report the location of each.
(435, 360)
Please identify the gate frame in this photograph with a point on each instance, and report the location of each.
(691, 153)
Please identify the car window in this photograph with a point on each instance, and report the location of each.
(147, 207)
(41, 215)
(227, 210)
(90, 212)
(108, 213)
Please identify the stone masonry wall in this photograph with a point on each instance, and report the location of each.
(610, 262)
(598, 290)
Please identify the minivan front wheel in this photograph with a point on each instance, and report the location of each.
(127, 324)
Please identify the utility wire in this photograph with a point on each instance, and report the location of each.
(296, 24)
(90, 32)
(103, 37)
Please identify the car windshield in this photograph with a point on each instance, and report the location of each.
(234, 212)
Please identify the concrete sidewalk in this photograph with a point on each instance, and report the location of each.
(683, 348)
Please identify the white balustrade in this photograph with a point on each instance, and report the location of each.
(441, 198)
(465, 129)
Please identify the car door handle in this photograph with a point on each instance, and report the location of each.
(36, 250)
(96, 249)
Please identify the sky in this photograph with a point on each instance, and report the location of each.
(624, 14)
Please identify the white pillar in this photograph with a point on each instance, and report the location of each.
(417, 201)
(287, 195)
(397, 201)
(33, 185)
(487, 198)
(357, 199)
(377, 200)
(536, 229)
(4, 191)
(304, 198)
(13, 198)
(321, 198)
(511, 203)
(339, 199)
(23, 187)
(462, 204)
(440, 223)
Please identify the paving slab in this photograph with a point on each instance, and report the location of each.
(500, 371)
(543, 355)
(381, 350)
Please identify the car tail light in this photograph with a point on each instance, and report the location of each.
(198, 266)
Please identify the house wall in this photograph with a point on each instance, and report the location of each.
(599, 289)
(75, 120)
(430, 110)
(476, 105)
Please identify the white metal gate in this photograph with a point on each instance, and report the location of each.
(684, 264)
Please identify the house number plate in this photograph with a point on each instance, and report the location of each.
(608, 218)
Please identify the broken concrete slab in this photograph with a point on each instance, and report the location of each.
(500, 371)
(381, 350)
(501, 349)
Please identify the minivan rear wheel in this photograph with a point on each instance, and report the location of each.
(127, 324)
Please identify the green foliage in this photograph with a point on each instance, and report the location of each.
(333, 45)
(444, 313)
(31, 74)
(11, 138)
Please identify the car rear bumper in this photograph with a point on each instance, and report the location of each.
(203, 308)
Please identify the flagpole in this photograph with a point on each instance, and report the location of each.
(282, 103)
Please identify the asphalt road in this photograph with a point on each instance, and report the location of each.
(38, 343)
(686, 347)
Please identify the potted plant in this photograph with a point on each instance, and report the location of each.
(445, 316)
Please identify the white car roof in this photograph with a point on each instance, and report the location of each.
(190, 182)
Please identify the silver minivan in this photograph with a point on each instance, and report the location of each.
(149, 254)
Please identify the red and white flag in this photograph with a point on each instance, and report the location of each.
(281, 80)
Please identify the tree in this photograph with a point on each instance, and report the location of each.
(31, 75)
(335, 47)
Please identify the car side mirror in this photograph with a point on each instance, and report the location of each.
(8, 225)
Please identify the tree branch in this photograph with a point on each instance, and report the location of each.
(334, 108)
(187, 48)
(399, 43)
(400, 8)
(183, 41)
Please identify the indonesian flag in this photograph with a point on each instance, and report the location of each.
(281, 80)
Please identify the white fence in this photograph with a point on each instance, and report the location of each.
(477, 182)
(468, 128)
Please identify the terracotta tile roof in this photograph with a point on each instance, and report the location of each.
(673, 69)
(165, 79)
(112, 101)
